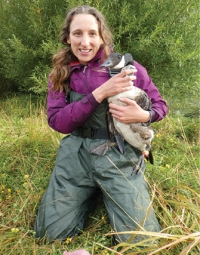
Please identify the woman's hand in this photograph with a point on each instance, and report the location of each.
(119, 83)
(132, 112)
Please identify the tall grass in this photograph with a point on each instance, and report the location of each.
(28, 150)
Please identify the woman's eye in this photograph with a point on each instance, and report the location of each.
(77, 34)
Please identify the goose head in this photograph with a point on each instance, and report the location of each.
(117, 60)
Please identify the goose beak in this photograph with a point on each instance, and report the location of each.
(107, 63)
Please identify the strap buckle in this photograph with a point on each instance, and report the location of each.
(89, 132)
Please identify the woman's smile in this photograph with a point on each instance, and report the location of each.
(85, 51)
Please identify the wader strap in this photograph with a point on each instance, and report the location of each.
(93, 133)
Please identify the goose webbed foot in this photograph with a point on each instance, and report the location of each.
(139, 165)
(102, 148)
(150, 157)
(146, 156)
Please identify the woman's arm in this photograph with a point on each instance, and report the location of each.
(133, 112)
(143, 81)
(65, 117)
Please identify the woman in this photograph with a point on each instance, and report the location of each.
(78, 173)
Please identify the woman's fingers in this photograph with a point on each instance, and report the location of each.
(128, 72)
(119, 83)
(122, 82)
(126, 75)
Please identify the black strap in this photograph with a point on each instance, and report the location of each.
(93, 133)
(113, 71)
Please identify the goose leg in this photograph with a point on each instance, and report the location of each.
(139, 165)
(120, 142)
(118, 138)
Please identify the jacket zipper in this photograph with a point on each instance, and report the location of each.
(85, 81)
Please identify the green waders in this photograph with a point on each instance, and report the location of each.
(78, 173)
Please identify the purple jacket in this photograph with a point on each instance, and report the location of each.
(65, 117)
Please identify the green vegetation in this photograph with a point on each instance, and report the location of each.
(161, 35)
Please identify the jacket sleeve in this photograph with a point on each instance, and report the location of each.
(63, 116)
(159, 108)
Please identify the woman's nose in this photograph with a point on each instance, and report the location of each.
(85, 40)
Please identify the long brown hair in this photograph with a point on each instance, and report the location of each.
(61, 60)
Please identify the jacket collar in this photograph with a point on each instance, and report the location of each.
(97, 58)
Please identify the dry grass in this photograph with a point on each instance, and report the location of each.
(28, 149)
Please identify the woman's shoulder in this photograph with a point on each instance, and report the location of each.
(140, 68)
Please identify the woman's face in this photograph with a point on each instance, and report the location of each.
(84, 37)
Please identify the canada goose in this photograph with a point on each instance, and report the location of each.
(139, 135)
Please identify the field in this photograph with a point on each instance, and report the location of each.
(28, 148)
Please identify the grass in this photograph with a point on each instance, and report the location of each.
(28, 150)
